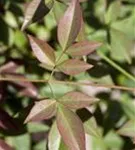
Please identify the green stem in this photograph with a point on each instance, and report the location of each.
(51, 90)
(50, 77)
(53, 72)
(63, 52)
(116, 66)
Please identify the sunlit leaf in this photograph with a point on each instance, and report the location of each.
(128, 129)
(55, 141)
(43, 52)
(59, 92)
(40, 145)
(98, 144)
(73, 66)
(69, 25)
(83, 48)
(77, 100)
(10, 19)
(113, 11)
(128, 107)
(58, 10)
(125, 25)
(19, 145)
(44, 109)
(34, 127)
(91, 128)
(54, 138)
(63, 146)
(113, 141)
(20, 39)
(68, 1)
(121, 46)
(70, 128)
(35, 11)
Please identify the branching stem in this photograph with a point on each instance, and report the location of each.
(50, 77)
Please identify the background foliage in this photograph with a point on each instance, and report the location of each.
(111, 125)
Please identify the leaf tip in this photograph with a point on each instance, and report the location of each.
(26, 121)
(89, 66)
(25, 23)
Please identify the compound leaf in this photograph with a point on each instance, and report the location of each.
(128, 129)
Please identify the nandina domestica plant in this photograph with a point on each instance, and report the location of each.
(74, 115)
(69, 26)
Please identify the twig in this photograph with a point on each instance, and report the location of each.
(69, 83)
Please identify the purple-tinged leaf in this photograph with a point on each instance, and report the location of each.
(35, 11)
(43, 51)
(70, 128)
(4, 145)
(69, 25)
(25, 88)
(83, 48)
(7, 123)
(74, 66)
(55, 141)
(128, 129)
(9, 67)
(42, 110)
(77, 100)
(30, 92)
